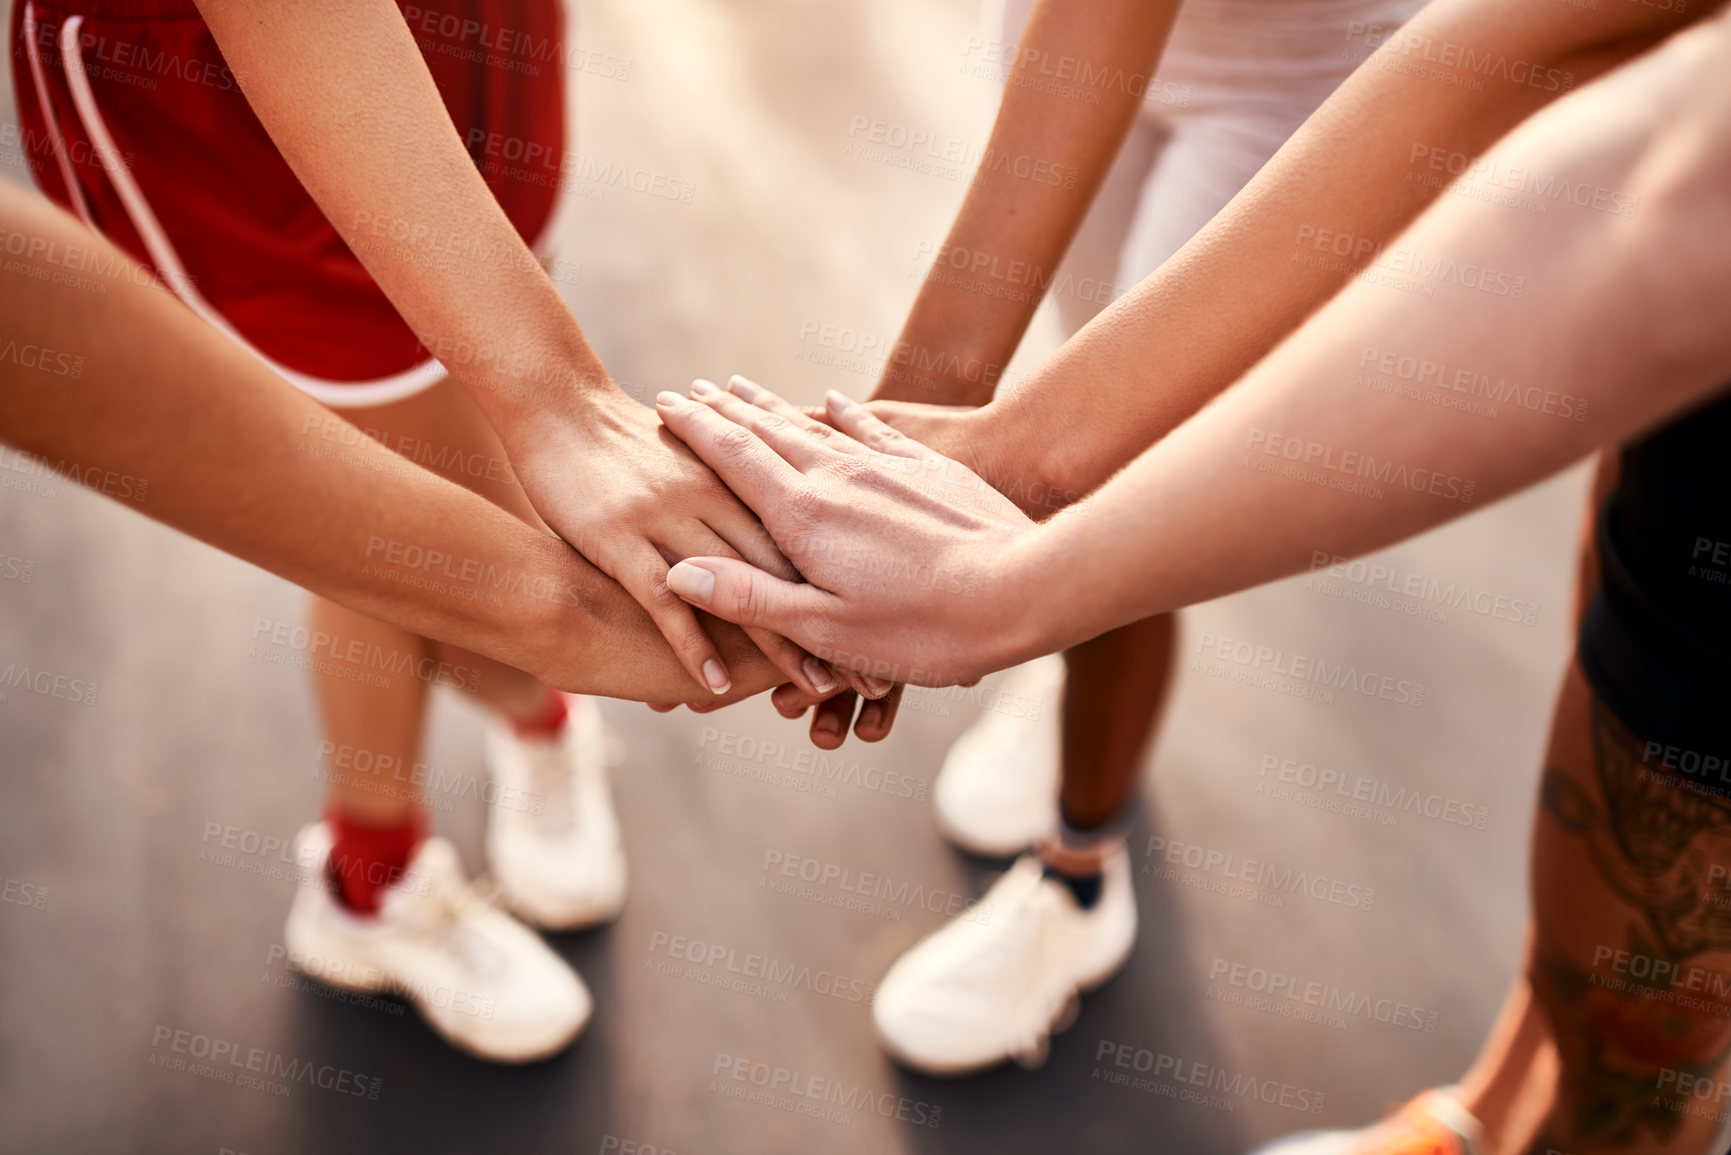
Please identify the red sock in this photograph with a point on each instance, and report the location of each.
(367, 857)
(546, 723)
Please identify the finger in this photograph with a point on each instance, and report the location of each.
(662, 707)
(791, 700)
(806, 671)
(811, 421)
(876, 718)
(829, 721)
(857, 422)
(793, 662)
(760, 477)
(742, 535)
(747, 596)
(647, 582)
(802, 448)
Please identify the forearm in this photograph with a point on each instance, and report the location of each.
(1328, 204)
(1324, 448)
(126, 391)
(341, 88)
(1049, 151)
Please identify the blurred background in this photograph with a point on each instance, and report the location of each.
(792, 260)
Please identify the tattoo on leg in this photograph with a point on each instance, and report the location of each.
(1654, 844)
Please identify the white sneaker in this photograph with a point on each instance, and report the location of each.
(1434, 1123)
(553, 842)
(997, 793)
(479, 977)
(979, 992)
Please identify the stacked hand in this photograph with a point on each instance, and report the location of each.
(660, 503)
(909, 559)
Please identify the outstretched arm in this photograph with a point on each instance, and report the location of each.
(343, 91)
(126, 391)
(1019, 215)
(1330, 444)
(1426, 104)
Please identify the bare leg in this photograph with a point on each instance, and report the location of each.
(1620, 862)
(1113, 690)
(442, 430)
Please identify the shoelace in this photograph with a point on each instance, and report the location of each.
(452, 906)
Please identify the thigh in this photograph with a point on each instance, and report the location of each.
(441, 429)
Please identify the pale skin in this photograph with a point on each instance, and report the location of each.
(231, 455)
(1189, 519)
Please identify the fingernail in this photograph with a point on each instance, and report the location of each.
(821, 679)
(691, 582)
(876, 687)
(716, 677)
(839, 401)
(668, 397)
(827, 724)
(702, 388)
(749, 391)
(871, 717)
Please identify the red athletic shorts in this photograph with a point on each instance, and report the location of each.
(131, 119)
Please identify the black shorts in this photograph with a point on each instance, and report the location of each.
(1655, 641)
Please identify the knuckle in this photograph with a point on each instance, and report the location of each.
(735, 441)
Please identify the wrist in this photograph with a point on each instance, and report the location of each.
(1018, 458)
(1026, 620)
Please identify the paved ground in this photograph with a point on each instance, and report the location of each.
(135, 920)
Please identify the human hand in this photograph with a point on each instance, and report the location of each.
(914, 564)
(633, 499)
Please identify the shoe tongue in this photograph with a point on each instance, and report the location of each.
(433, 868)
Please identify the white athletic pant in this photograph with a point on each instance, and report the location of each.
(1238, 77)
